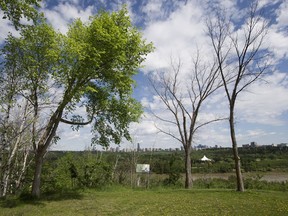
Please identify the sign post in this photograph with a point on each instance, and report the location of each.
(142, 169)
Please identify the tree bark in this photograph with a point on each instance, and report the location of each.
(39, 157)
(42, 147)
(240, 183)
(188, 174)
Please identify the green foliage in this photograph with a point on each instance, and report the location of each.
(106, 168)
(98, 62)
(14, 10)
(72, 171)
(174, 174)
(91, 67)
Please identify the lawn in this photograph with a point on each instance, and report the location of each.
(121, 201)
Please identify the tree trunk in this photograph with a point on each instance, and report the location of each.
(188, 174)
(43, 145)
(23, 170)
(240, 183)
(37, 174)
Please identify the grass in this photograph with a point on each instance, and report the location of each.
(122, 201)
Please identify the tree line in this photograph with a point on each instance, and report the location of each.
(88, 169)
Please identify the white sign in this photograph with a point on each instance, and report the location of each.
(140, 168)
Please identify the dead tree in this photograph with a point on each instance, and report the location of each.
(241, 60)
(183, 96)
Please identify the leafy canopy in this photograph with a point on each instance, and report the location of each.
(14, 10)
(92, 67)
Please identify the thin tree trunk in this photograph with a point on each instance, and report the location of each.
(3, 147)
(7, 172)
(188, 174)
(240, 183)
(23, 170)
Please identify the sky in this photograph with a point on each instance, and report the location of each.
(177, 29)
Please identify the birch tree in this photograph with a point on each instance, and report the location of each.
(15, 119)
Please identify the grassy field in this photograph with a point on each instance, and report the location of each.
(121, 201)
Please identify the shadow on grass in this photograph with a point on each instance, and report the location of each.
(27, 199)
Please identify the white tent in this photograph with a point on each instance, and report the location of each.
(204, 158)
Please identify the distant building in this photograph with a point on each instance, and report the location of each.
(253, 144)
(200, 146)
(282, 145)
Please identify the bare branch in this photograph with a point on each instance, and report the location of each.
(209, 122)
(168, 133)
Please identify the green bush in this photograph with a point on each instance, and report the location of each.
(173, 179)
(73, 171)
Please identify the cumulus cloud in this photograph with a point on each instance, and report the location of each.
(182, 32)
(178, 36)
(6, 28)
(265, 102)
(63, 14)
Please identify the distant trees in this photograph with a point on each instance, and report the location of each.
(90, 68)
(241, 60)
(183, 94)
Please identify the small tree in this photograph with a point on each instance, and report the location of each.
(241, 62)
(184, 101)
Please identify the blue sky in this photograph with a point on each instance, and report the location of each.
(177, 29)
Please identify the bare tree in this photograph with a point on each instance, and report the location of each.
(184, 100)
(241, 61)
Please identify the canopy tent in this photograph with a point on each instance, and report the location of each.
(204, 158)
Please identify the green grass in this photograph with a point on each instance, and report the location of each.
(121, 201)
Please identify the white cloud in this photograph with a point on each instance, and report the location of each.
(6, 27)
(277, 42)
(63, 14)
(265, 103)
(179, 35)
(282, 18)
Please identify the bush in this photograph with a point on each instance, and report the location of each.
(173, 179)
(76, 171)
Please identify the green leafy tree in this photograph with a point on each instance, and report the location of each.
(91, 67)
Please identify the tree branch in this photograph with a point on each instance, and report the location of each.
(76, 123)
